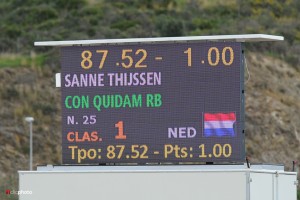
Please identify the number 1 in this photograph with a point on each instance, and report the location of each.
(120, 135)
(202, 155)
(189, 53)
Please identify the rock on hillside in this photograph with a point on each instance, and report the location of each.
(272, 114)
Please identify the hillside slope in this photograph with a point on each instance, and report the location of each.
(272, 111)
(28, 92)
(272, 117)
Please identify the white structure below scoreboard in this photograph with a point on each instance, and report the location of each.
(207, 182)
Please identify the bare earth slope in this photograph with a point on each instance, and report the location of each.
(272, 111)
(272, 115)
(28, 92)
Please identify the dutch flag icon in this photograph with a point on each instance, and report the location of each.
(219, 124)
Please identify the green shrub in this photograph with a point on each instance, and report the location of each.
(23, 22)
(169, 26)
(123, 24)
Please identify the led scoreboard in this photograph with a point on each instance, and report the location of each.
(152, 103)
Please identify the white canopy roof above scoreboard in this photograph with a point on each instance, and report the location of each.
(216, 38)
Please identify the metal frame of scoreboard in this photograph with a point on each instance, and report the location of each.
(187, 40)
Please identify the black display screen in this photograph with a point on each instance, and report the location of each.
(152, 103)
